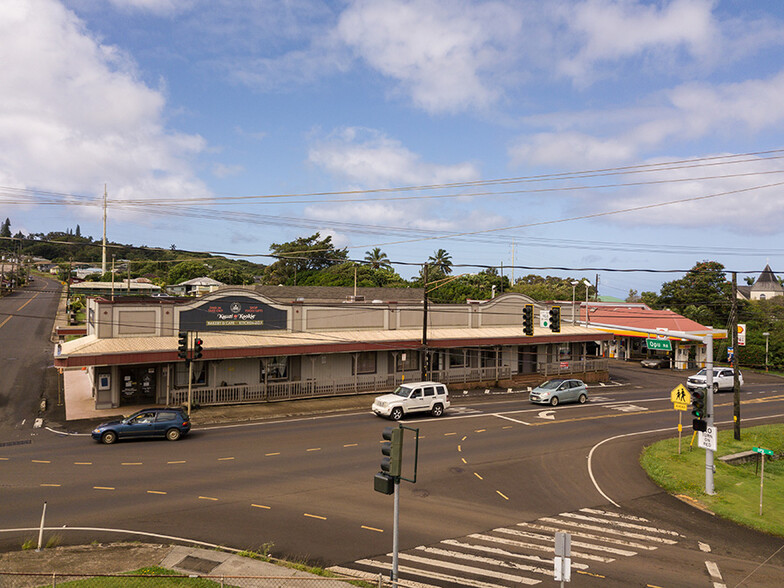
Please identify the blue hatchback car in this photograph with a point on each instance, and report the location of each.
(171, 423)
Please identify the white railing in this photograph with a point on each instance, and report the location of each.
(573, 366)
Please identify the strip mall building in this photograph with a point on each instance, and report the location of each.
(273, 343)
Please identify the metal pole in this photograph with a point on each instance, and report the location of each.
(762, 477)
(41, 528)
(709, 411)
(396, 532)
(767, 335)
(574, 291)
(424, 329)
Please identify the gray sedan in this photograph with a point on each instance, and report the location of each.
(553, 392)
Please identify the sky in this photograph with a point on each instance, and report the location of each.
(582, 137)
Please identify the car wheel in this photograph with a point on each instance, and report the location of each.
(396, 414)
(109, 437)
(715, 387)
(554, 401)
(582, 399)
(173, 434)
(437, 410)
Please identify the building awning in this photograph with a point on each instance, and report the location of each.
(91, 351)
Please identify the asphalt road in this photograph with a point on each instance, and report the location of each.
(305, 486)
(26, 319)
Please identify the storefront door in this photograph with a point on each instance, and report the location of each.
(137, 385)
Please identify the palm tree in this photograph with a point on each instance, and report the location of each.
(442, 261)
(377, 258)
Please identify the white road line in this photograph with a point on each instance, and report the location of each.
(612, 540)
(551, 539)
(511, 543)
(568, 523)
(622, 524)
(704, 547)
(508, 554)
(500, 416)
(485, 560)
(713, 570)
(616, 515)
(468, 569)
(427, 574)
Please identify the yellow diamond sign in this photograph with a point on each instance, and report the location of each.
(680, 395)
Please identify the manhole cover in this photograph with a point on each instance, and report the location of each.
(198, 564)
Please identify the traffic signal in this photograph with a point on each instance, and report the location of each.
(528, 320)
(392, 450)
(182, 344)
(699, 425)
(197, 348)
(426, 362)
(555, 319)
(698, 410)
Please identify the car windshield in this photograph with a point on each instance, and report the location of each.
(551, 384)
(402, 391)
(704, 372)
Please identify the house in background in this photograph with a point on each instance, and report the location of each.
(765, 287)
(195, 287)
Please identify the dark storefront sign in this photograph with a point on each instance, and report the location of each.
(233, 313)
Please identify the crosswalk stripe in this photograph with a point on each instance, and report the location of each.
(575, 554)
(551, 539)
(612, 540)
(428, 574)
(468, 569)
(511, 543)
(616, 515)
(487, 560)
(572, 515)
(609, 531)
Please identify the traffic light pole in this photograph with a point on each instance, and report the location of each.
(709, 411)
(395, 532)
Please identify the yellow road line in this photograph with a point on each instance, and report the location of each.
(507, 427)
(312, 516)
(28, 302)
(464, 437)
(155, 492)
(373, 529)
(5, 321)
(51, 485)
(460, 448)
(480, 430)
(464, 461)
(83, 463)
(131, 463)
(40, 461)
(181, 461)
(225, 458)
(4, 458)
(261, 506)
(448, 434)
(502, 495)
(268, 454)
(478, 476)
(314, 449)
(207, 498)
(351, 444)
(102, 488)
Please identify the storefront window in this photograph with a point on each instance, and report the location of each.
(564, 352)
(457, 358)
(411, 362)
(199, 374)
(366, 363)
(277, 368)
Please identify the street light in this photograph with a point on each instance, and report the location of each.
(587, 285)
(574, 316)
(766, 350)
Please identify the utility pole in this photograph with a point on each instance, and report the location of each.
(103, 249)
(735, 350)
(424, 329)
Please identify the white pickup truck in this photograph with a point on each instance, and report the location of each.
(723, 379)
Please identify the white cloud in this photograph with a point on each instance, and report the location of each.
(163, 7)
(371, 159)
(73, 114)
(222, 170)
(443, 53)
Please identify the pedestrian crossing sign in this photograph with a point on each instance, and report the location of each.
(680, 395)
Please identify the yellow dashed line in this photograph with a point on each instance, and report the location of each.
(83, 463)
(155, 492)
(51, 485)
(40, 461)
(102, 488)
(314, 449)
(351, 444)
(464, 437)
(312, 516)
(373, 529)
(591, 574)
(131, 463)
(207, 498)
(268, 454)
(460, 448)
(502, 495)
(507, 427)
(261, 506)
(480, 430)
(182, 461)
(448, 434)
(4, 459)
(464, 461)
(225, 458)
(478, 476)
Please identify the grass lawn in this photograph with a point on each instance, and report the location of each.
(152, 577)
(737, 487)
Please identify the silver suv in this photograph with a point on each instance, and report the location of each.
(723, 379)
(429, 397)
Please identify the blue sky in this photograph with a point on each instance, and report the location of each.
(228, 125)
